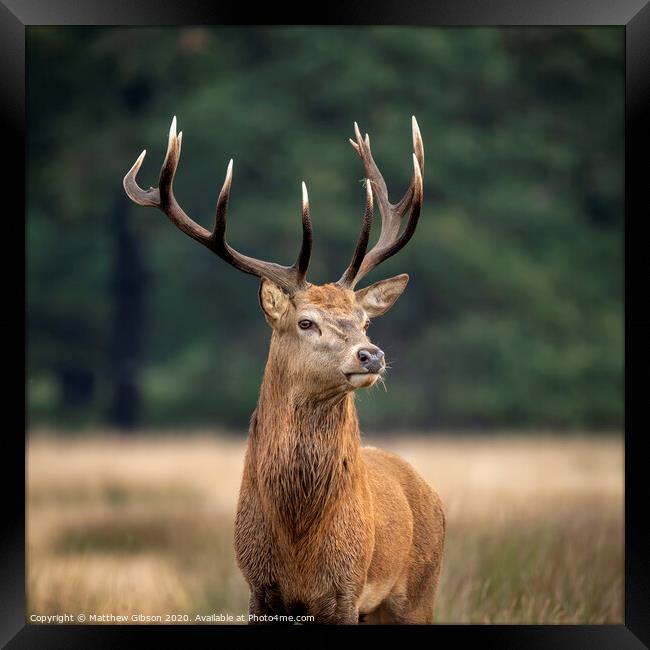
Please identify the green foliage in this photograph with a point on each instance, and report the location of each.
(514, 312)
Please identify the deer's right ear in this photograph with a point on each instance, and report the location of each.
(273, 300)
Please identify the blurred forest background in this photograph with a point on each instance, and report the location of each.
(514, 314)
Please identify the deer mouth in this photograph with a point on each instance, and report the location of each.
(362, 379)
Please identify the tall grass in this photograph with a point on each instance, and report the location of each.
(144, 525)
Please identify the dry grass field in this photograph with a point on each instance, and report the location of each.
(144, 525)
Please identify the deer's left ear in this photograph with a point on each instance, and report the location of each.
(379, 297)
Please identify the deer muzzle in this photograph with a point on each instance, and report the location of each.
(371, 358)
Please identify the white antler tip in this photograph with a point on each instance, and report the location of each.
(305, 196)
(136, 165)
(417, 137)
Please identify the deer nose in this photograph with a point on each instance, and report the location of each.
(371, 358)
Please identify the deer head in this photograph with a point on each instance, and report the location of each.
(319, 332)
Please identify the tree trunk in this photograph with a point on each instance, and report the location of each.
(127, 293)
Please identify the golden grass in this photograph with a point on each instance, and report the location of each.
(144, 525)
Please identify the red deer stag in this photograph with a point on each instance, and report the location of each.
(324, 527)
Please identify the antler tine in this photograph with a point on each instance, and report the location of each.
(290, 278)
(390, 242)
(302, 262)
(347, 280)
(162, 197)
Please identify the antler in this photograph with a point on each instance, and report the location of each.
(290, 278)
(390, 241)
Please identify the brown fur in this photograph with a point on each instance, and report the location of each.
(331, 298)
(326, 527)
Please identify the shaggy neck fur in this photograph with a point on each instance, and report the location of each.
(304, 448)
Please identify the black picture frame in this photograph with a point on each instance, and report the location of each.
(632, 15)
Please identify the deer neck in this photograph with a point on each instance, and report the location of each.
(304, 448)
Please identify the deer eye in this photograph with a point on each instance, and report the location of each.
(305, 324)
